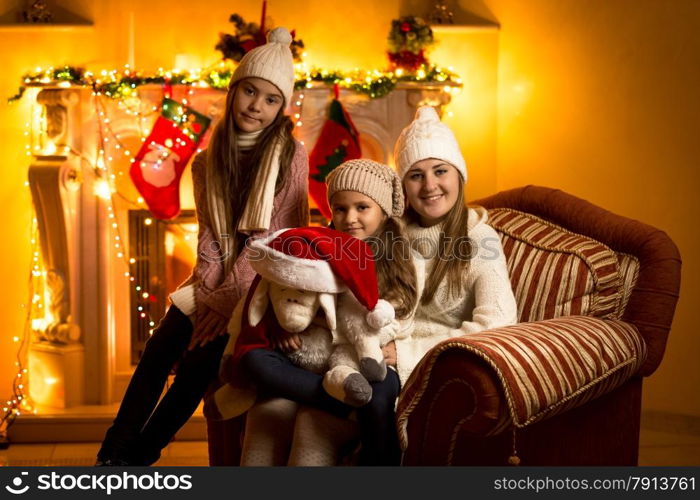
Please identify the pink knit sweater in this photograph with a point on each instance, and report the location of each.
(209, 282)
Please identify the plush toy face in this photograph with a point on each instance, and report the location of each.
(294, 309)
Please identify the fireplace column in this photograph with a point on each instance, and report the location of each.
(60, 362)
(56, 354)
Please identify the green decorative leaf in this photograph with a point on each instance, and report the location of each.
(332, 161)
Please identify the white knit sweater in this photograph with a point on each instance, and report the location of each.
(487, 301)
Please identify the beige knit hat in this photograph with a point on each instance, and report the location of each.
(427, 137)
(272, 62)
(372, 179)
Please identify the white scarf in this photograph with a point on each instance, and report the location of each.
(258, 208)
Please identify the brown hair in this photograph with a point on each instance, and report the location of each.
(449, 261)
(396, 274)
(229, 180)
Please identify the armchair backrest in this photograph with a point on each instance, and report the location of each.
(555, 272)
(567, 256)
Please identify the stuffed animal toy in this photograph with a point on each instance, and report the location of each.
(301, 272)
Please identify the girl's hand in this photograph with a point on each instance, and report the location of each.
(208, 325)
(389, 351)
(285, 341)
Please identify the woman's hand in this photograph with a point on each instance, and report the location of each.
(389, 352)
(208, 325)
(285, 341)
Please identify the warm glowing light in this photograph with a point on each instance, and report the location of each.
(39, 324)
(50, 148)
(102, 190)
(148, 221)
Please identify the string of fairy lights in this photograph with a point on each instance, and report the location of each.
(123, 87)
(38, 315)
(19, 402)
(124, 84)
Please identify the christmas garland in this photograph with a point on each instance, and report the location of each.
(377, 84)
(119, 85)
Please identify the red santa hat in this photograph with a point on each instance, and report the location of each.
(322, 260)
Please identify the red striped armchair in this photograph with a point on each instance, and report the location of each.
(596, 294)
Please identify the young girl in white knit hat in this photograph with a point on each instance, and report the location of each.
(252, 179)
(366, 201)
(468, 289)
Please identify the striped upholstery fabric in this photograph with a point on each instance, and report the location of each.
(629, 269)
(545, 367)
(555, 272)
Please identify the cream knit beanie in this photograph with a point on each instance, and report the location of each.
(427, 137)
(272, 62)
(372, 179)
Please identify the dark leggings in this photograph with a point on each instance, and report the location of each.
(275, 375)
(143, 426)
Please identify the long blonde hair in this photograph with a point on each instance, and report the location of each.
(449, 260)
(228, 180)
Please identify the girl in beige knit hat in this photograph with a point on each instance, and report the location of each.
(251, 179)
(367, 201)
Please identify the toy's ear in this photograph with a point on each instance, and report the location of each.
(258, 303)
(328, 304)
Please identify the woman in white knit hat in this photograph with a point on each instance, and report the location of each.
(468, 289)
(366, 201)
(252, 179)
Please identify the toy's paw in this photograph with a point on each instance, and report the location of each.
(358, 392)
(372, 370)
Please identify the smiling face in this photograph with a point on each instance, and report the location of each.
(356, 214)
(432, 188)
(256, 104)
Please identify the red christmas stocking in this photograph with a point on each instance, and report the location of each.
(339, 141)
(158, 166)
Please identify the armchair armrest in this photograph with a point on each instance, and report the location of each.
(517, 375)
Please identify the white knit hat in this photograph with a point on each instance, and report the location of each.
(272, 62)
(427, 137)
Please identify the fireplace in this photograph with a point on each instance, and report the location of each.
(164, 253)
(112, 264)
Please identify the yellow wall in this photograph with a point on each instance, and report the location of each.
(473, 54)
(600, 99)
